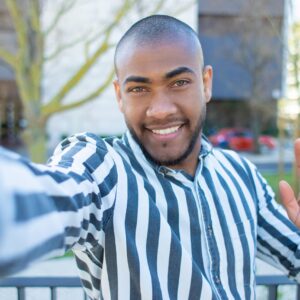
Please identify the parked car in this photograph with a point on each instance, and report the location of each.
(240, 139)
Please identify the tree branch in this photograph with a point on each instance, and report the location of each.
(62, 48)
(18, 21)
(36, 49)
(67, 6)
(128, 4)
(34, 15)
(7, 57)
(47, 110)
(78, 76)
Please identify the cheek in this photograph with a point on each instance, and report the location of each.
(193, 103)
(133, 113)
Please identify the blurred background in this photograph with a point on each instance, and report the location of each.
(56, 69)
(56, 72)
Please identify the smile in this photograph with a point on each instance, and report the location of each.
(166, 130)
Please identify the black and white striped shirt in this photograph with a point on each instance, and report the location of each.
(141, 231)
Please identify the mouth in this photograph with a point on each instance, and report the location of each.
(166, 131)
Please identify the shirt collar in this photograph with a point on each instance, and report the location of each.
(205, 150)
(206, 147)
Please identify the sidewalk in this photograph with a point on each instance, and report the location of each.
(268, 161)
(272, 156)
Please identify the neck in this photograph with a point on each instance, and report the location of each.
(190, 163)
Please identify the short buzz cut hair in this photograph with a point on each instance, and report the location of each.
(155, 28)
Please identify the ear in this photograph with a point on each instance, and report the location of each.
(118, 94)
(207, 82)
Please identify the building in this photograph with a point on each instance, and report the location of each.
(244, 41)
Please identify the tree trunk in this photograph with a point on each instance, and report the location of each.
(35, 138)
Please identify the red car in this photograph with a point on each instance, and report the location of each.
(240, 139)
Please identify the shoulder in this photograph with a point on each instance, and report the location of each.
(233, 159)
(83, 148)
(84, 140)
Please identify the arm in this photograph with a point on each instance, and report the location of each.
(46, 210)
(289, 200)
(278, 239)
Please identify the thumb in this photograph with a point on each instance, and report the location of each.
(289, 201)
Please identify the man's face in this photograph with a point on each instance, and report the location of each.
(162, 91)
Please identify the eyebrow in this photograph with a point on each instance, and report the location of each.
(139, 79)
(168, 75)
(178, 71)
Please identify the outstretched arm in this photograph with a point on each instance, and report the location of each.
(46, 210)
(290, 201)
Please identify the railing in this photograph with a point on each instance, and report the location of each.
(53, 283)
(273, 282)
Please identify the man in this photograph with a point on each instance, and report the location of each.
(158, 214)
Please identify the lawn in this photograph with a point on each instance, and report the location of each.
(273, 180)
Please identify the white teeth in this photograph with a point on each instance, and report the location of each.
(166, 131)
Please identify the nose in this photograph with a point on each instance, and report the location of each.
(161, 107)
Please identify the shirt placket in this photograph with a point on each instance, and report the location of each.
(207, 230)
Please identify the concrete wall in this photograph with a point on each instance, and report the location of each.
(244, 42)
(273, 8)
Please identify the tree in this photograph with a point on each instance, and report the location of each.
(294, 61)
(260, 50)
(29, 60)
(289, 111)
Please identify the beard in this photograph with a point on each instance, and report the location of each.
(180, 158)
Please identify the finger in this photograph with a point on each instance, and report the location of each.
(289, 201)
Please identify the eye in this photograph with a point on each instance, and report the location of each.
(137, 89)
(181, 82)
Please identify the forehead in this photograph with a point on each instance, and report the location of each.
(156, 57)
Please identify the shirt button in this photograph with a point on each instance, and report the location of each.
(209, 230)
(217, 280)
(164, 171)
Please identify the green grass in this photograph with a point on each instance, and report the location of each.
(273, 180)
(67, 254)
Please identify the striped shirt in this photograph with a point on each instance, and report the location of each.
(142, 231)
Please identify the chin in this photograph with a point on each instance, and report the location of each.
(166, 160)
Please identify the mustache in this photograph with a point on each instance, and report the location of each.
(164, 122)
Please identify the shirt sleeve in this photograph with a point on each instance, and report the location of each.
(278, 239)
(46, 210)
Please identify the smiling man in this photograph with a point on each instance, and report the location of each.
(162, 89)
(159, 213)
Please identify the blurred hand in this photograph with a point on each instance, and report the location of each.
(288, 198)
